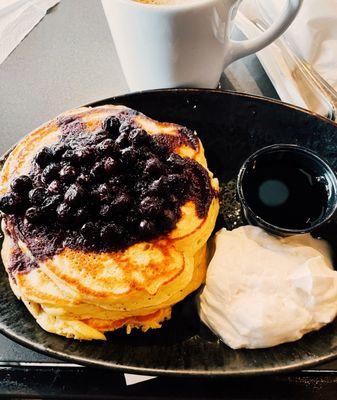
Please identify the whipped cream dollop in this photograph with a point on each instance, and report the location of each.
(263, 290)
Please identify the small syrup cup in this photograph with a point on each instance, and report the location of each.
(303, 158)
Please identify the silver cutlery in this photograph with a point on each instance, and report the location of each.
(315, 90)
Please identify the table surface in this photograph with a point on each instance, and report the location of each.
(68, 60)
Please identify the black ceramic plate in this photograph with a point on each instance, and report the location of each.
(231, 126)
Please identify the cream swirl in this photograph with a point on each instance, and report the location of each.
(263, 290)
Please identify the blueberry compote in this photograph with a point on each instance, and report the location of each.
(103, 191)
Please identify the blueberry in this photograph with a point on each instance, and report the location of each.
(51, 202)
(50, 172)
(22, 184)
(116, 230)
(111, 125)
(110, 165)
(82, 242)
(158, 186)
(70, 155)
(176, 163)
(121, 202)
(177, 183)
(65, 213)
(122, 140)
(34, 214)
(132, 220)
(54, 187)
(151, 206)
(146, 154)
(106, 211)
(85, 155)
(129, 179)
(175, 178)
(74, 194)
(103, 193)
(89, 230)
(160, 149)
(37, 196)
(57, 150)
(168, 219)
(147, 228)
(109, 233)
(106, 147)
(173, 200)
(81, 215)
(117, 182)
(10, 203)
(125, 127)
(129, 155)
(97, 172)
(83, 180)
(153, 166)
(139, 137)
(43, 157)
(68, 174)
(141, 188)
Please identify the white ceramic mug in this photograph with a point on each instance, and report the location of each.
(182, 45)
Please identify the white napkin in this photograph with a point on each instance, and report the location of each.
(17, 19)
(314, 36)
(132, 379)
(314, 33)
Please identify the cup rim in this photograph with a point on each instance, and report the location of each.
(291, 147)
(168, 7)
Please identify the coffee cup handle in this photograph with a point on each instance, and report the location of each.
(239, 49)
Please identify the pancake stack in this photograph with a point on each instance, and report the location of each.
(106, 217)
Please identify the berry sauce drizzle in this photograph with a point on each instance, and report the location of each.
(105, 190)
(20, 264)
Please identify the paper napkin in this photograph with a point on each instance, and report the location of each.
(17, 19)
(132, 379)
(314, 34)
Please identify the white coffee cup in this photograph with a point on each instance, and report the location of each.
(182, 45)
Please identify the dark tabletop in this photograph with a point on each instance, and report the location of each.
(66, 61)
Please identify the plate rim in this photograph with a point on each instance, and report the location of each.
(261, 98)
(303, 365)
(21, 340)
